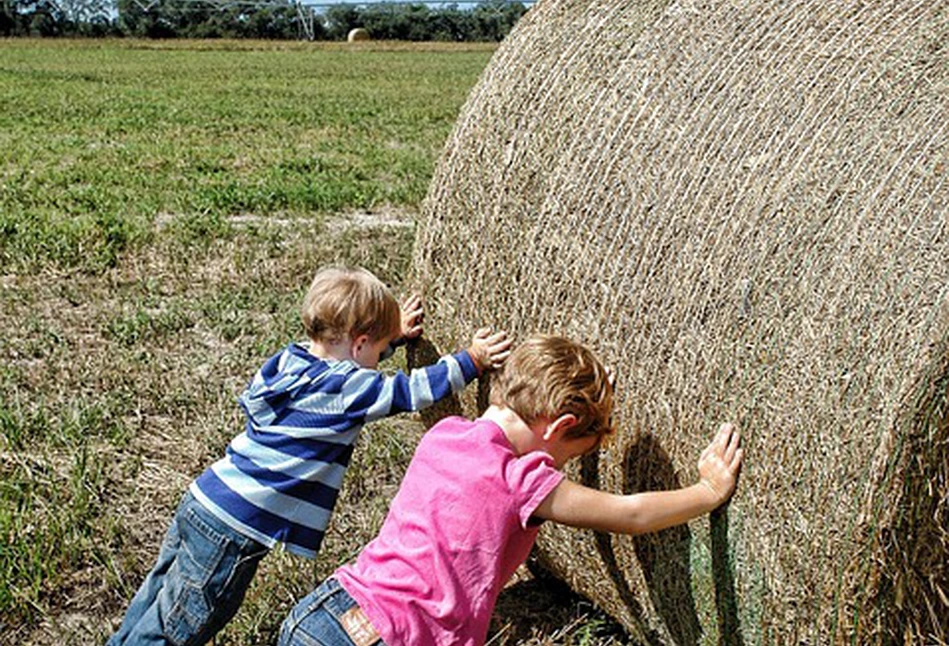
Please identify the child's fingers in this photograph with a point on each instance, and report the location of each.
(499, 347)
(498, 358)
(735, 465)
(731, 447)
(499, 341)
(724, 435)
(412, 302)
(412, 310)
(482, 333)
(412, 316)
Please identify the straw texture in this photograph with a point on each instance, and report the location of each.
(741, 205)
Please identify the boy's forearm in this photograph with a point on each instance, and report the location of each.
(424, 386)
(579, 506)
(651, 511)
(573, 504)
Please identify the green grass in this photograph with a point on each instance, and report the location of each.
(98, 141)
(163, 207)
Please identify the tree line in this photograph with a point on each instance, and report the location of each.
(489, 20)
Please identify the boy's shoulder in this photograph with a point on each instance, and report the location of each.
(290, 359)
(456, 428)
(295, 370)
(296, 358)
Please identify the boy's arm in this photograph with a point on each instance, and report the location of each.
(573, 504)
(578, 506)
(374, 395)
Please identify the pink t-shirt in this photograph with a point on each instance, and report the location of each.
(457, 530)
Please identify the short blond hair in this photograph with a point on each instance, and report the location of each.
(549, 376)
(349, 301)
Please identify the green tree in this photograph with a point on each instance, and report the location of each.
(494, 19)
(490, 20)
(8, 17)
(42, 18)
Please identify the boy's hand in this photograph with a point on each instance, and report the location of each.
(412, 315)
(488, 350)
(720, 463)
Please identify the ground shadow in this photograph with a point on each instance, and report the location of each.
(540, 606)
(590, 476)
(723, 574)
(663, 556)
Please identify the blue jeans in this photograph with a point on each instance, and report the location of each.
(203, 571)
(317, 619)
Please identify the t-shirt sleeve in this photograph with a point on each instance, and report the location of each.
(532, 477)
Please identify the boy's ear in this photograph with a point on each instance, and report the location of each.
(360, 341)
(560, 425)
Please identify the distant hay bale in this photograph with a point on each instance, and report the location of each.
(742, 206)
(358, 34)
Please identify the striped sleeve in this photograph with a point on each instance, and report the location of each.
(371, 395)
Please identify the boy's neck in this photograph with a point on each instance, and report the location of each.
(522, 438)
(332, 350)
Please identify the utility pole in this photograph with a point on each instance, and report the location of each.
(305, 14)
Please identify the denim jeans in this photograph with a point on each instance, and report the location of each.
(196, 586)
(316, 620)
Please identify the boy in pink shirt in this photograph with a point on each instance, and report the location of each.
(471, 503)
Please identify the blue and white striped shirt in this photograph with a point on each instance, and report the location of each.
(280, 478)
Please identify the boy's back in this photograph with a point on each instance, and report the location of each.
(462, 517)
(280, 479)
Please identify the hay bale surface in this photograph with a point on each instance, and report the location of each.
(358, 35)
(741, 206)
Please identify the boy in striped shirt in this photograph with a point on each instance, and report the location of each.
(280, 478)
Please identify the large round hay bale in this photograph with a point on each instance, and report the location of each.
(742, 206)
(358, 34)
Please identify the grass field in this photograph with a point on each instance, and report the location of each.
(162, 208)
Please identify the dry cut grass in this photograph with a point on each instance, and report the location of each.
(163, 205)
(119, 388)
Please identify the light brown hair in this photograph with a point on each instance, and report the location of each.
(548, 376)
(349, 301)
